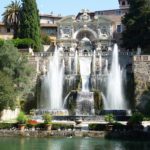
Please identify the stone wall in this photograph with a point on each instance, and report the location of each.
(141, 68)
(54, 133)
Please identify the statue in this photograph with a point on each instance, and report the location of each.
(98, 46)
(31, 51)
(99, 33)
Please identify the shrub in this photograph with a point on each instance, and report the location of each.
(56, 126)
(23, 43)
(22, 118)
(136, 118)
(109, 118)
(7, 125)
(47, 118)
(97, 127)
(45, 39)
(1, 42)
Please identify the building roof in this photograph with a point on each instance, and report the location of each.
(50, 16)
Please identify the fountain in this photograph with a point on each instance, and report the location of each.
(85, 100)
(52, 85)
(115, 98)
(85, 71)
(104, 81)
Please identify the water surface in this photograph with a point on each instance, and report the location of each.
(11, 143)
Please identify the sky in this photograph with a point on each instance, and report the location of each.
(67, 7)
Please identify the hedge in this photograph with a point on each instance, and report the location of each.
(23, 43)
(97, 127)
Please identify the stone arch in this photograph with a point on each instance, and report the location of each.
(89, 33)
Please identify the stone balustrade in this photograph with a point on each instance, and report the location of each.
(141, 58)
(80, 54)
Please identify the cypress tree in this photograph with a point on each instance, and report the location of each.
(30, 22)
(137, 25)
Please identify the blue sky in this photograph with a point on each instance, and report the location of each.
(67, 7)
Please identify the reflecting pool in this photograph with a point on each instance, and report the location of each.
(11, 143)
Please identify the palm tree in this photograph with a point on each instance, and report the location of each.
(11, 16)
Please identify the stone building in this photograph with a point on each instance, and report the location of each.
(97, 30)
(86, 31)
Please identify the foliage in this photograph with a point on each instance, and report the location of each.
(47, 118)
(7, 125)
(97, 127)
(136, 118)
(9, 58)
(30, 22)
(45, 39)
(11, 16)
(137, 25)
(23, 43)
(98, 105)
(15, 65)
(56, 126)
(1, 42)
(7, 93)
(109, 118)
(22, 118)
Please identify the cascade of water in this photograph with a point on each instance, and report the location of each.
(70, 65)
(106, 67)
(94, 59)
(76, 62)
(100, 63)
(52, 86)
(115, 98)
(65, 100)
(85, 70)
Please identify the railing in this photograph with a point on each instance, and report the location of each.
(138, 58)
(80, 54)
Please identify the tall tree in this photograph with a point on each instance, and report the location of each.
(14, 65)
(11, 16)
(7, 92)
(137, 25)
(30, 22)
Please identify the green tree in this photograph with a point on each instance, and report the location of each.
(11, 16)
(7, 93)
(137, 25)
(16, 66)
(9, 59)
(30, 22)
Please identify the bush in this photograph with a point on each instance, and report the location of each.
(136, 118)
(23, 43)
(7, 125)
(47, 118)
(118, 126)
(22, 118)
(1, 42)
(97, 127)
(109, 118)
(45, 39)
(57, 126)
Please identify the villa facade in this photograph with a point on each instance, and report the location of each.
(96, 30)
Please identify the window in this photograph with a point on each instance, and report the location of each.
(118, 12)
(119, 28)
(8, 30)
(123, 3)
